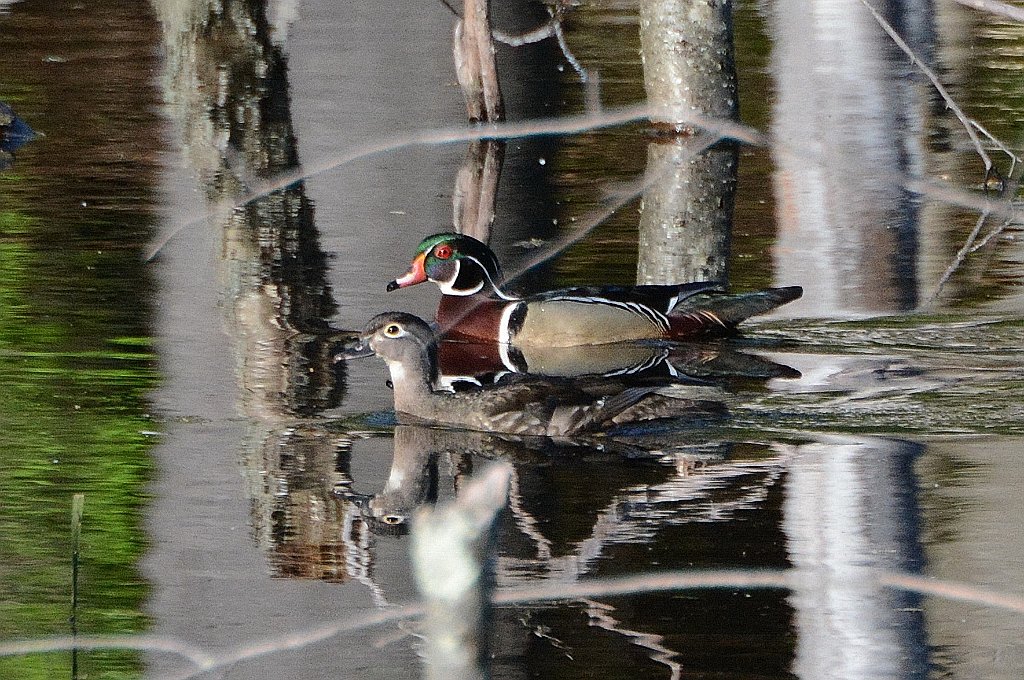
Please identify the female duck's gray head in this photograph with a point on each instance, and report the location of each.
(405, 341)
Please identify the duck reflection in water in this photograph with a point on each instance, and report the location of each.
(472, 362)
(421, 451)
(414, 476)
(523, 405)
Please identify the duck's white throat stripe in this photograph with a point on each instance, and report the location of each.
(487, 276)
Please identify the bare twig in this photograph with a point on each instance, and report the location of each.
(991, 235)
(971, 246)
(552, 29)
(587, 223)
(644, 583)
(1008, 188)
(995, 7)
(149, 643)
(556, 24)
(551, 592)
(542, 32)
(969, 125)
(951, 195)
(961, 255)
(950, 103)
(301, 639)
(1014, 159)
(568, 125)
(953, 590)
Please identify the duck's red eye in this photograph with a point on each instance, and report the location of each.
(443, 251)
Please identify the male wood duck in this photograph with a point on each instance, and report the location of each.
(474, 305)
(522, 407)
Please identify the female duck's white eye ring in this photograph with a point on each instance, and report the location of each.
(392, 330)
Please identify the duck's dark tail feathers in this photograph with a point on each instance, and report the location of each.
(603, 411)
(722, 311)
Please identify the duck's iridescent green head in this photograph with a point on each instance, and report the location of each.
(458, 264)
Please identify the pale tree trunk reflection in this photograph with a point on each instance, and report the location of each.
(848, 117)
(851, 511)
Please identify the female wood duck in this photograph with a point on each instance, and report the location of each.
(522, 407)
(474, 305)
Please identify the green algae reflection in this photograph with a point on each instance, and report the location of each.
(72, 420)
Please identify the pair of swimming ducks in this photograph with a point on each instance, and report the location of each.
(475, 308)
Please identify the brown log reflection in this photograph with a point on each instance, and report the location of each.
(476, 189)
(306, 529)
(475, 65)
(228, 89)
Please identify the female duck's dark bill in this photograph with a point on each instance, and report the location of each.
(416, 274)
(356, 348)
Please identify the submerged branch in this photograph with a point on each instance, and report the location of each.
(1014, 158)
(1006, 210)
(959, 259)
(591, 121)
(551, 29)
(995, 7)
(968, 123)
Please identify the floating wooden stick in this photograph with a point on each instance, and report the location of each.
(452, 552)
(77, 508)
(475, 66)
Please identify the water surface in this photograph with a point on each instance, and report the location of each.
(271, 502)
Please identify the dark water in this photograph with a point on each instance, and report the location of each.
(235, 488)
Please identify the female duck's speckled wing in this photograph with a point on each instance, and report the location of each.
(522, 407)
(528, 405)
(535, 408)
